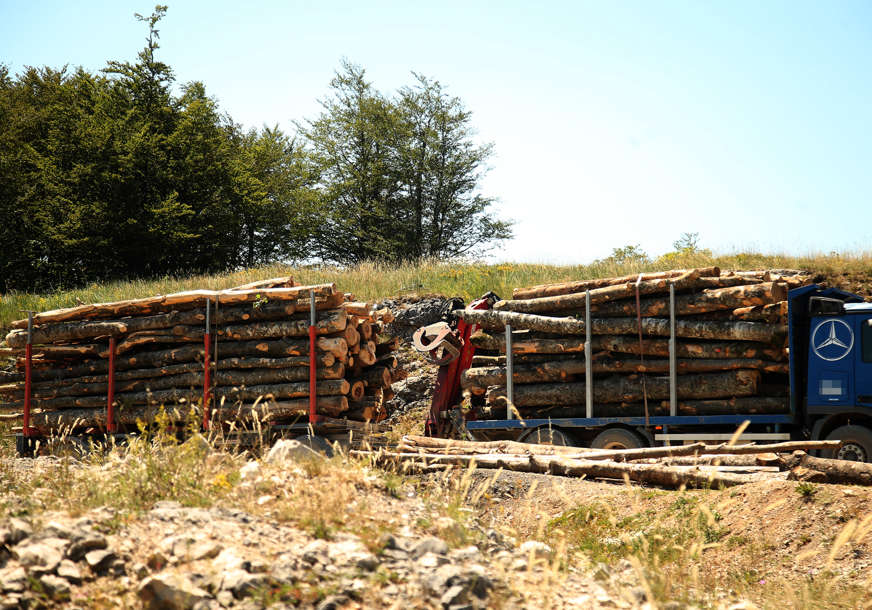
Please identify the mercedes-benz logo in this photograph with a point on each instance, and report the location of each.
(832, 340)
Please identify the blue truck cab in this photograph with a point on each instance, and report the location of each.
(830, 342)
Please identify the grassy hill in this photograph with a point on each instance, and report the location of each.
(373, 281)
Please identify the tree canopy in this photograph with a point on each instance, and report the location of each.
(125, 173)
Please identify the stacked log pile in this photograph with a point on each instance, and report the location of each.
(259, 362)
(696, 465)
(731, 338)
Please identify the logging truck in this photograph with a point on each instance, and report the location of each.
(829, 355)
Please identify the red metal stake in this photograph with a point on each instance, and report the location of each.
(28, 358)
(207, 340)
(28, 366)
(110, 394)
(313, 373)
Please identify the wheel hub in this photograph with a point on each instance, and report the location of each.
(852, 452)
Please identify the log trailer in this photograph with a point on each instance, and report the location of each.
(830, 364)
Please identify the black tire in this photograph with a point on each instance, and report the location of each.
(857, 447)
(618, 438)
(316, 443)
(548, 436)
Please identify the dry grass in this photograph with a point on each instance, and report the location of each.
(374, 281)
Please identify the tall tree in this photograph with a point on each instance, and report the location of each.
(440, 170)
(399, 176)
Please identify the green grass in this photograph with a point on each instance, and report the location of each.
(372, 281)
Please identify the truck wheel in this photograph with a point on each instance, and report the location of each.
(617, 438)
(548, 436)
(857, 447)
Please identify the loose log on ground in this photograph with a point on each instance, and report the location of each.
(547, 290)
(623, 388)
(672, 477)
(832, 471)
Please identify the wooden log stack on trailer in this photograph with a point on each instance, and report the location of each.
(729, 350)
(108, 366)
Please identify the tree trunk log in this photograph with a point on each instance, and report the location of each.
(47, 421)
(753, 405)
(181, 300)
(565, 370)
(775, 313)
(686, 281)
(672, 477)
(702, 302)
(386, 347)
(834, 471)
(331, 387)
(192, 378)
(628, 345)
(696, 329)
(550, 290)
(623, 388)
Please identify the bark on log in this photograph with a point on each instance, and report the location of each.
(331, 387)
(377, 376)
(273, 282)
(775, 313)
(701, 302)
(47, 421)
(753, 405)
(364, 310)
(386, 347)
(428, 443)
(367, 353)
(695, 329)
(564, 370)
(549, 290)
(51, 378)
(623, 388)
(184, 380)
(833, 471)
(332, 322)
(182, 300)
(672, 477)
(70, 331)
(686, 281)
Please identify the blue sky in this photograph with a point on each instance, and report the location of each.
(613, 123)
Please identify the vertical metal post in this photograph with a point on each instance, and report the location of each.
(673, 380)
(510, 374)
(207, 368)
(110, 392)
(28, 368)
(313, 373)
(588, 360)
